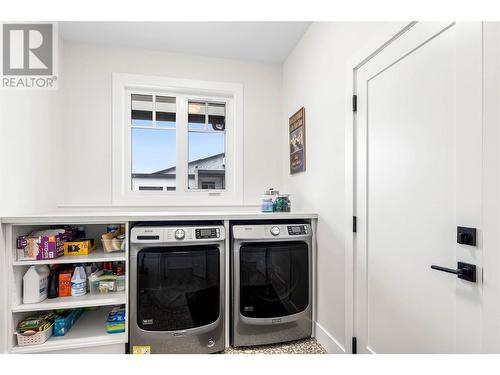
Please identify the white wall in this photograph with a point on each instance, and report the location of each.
(29, 143)
(314, 77)
(29, 157)
(87, 114)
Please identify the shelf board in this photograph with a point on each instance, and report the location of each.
(88, 331)
(88, 300)
(98, 255)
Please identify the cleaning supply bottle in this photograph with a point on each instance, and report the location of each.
(35, 283)
(53, 288)
(79, 281)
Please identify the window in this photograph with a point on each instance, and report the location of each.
(206, 145)
(153, 136)
(176, 142)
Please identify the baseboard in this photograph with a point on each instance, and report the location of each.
(331, 345)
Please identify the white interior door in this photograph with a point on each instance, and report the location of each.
(418, 160)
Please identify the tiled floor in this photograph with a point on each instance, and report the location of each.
(307, 346)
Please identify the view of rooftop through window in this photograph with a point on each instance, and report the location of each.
(154, 146)
(206, 133)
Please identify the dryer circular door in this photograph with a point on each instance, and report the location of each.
(274, 279)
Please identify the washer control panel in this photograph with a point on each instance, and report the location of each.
(144, 234)
(275, 231)
(205, 233)
(180, 234)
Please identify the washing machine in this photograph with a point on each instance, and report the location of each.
(177, 288)
(271, 283)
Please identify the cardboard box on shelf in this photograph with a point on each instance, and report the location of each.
(42, 244)
(65, 283)
(27, 249)
(82, 246)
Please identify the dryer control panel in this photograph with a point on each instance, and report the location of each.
(270, 231)
(297, 230)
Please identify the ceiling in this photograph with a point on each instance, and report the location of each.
(268, 42)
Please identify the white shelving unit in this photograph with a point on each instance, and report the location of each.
(89, 331)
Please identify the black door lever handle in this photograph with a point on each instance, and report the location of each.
(449, 270)
(464, 271)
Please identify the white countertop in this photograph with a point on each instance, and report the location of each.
(124, 216)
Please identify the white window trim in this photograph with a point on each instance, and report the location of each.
(231, 93)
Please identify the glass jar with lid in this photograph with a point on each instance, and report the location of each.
(268, 200)
(282, 203)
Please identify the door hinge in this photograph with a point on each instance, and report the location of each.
(354, 103)
(354, 224)
(354, 346)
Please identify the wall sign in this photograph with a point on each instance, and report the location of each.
(297, 128)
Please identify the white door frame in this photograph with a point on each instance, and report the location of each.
(385, 37)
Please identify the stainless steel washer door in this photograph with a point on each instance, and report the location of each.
(177, 289)
(177, 300)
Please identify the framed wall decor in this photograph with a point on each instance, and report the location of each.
(297, 129)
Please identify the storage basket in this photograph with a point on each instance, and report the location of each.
(113, 245)
(35, 338)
